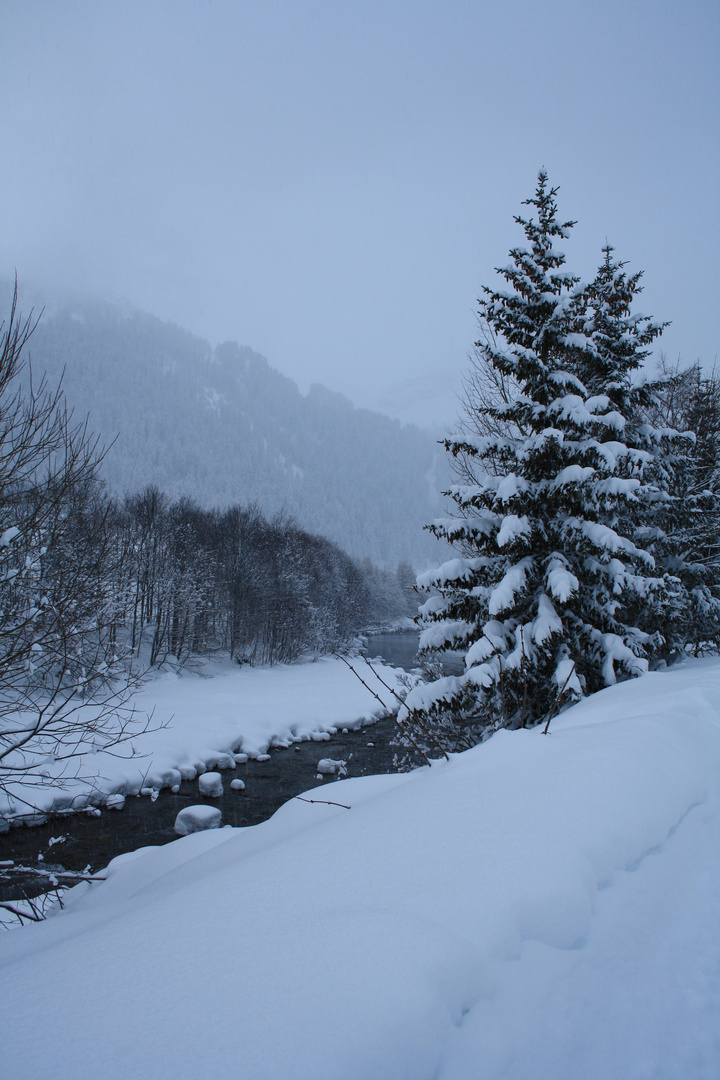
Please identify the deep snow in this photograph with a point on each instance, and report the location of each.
(538, 907)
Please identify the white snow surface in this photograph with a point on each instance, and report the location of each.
(210, 717)
(502, 595)
(537, 908)
(439, 634)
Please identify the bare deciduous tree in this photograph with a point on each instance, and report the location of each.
(62, 687)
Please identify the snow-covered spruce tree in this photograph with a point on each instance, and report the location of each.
(684, 532)
(619, 343)
(547, 594)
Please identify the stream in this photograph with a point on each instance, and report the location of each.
(79, 841)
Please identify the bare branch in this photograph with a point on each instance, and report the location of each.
(327, 802)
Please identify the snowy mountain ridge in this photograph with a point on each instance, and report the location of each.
(221, 426)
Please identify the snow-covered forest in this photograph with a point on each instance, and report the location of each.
(223, 428)
(97, 592)
(195, 581)
(329, 751)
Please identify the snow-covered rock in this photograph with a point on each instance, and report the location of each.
(329, 767)
(210, 785)
(222, 761)
(237, 785)
(194, 819)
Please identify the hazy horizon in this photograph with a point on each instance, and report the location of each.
(333, 185)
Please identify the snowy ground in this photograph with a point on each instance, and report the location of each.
(538, 908)
(209, 714)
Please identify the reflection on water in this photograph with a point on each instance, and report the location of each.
(401, 651)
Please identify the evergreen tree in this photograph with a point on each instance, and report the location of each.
(684, 532)
(547, 596)
(619, 340)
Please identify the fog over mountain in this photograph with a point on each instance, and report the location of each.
(221, 426)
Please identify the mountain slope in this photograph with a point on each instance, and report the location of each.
(221, 426)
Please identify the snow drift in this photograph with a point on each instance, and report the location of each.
(535, 907)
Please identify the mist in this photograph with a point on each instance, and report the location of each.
(333, 185)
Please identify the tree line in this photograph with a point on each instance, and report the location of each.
(195, 581)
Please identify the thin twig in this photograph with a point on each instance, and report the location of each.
(32, 916)
(37, 871)
(327, 802)
(413, 712)
(558, 699)
(377, 697)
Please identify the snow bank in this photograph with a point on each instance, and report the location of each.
(208, 718)
(540, 906)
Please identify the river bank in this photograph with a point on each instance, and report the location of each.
(81, 840)
(351, 729)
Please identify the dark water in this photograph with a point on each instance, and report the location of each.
(397, 649)
(88, 840)
(401, 650)
(82, 840)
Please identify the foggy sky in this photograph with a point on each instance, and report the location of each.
(332, 183)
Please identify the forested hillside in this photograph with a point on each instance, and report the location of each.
(222, 427)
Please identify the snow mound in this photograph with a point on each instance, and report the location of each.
(194, 819)
(329, 767)
(210, 785)
(539, 906)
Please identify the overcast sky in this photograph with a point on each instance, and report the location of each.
(333, 182)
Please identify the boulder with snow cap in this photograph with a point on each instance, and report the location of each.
(329, 767)
(196, 819)
(210, 785)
